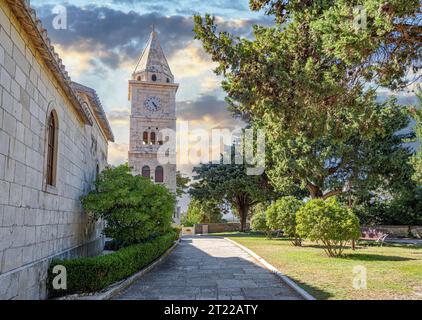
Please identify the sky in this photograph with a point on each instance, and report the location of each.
(104, 40)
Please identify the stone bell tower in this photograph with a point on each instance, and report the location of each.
(152, 92)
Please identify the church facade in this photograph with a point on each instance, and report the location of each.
(152, 92)
(54, 139)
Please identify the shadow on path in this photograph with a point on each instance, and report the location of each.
(209, 268)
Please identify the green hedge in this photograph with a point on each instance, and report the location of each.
(94, 274)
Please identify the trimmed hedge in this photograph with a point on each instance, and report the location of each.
(88, 275)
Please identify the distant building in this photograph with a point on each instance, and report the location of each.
(152, 92)
(53, 142)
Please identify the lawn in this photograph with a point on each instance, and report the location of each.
(393, 272)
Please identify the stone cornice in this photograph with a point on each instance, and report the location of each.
(98, 108)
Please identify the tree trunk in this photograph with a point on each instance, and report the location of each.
(314, 191)
(243, 212)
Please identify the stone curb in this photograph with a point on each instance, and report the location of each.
(274, 270)
(118, 287)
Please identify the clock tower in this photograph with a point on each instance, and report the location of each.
(152, 93)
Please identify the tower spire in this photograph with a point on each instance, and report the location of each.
(153, 62)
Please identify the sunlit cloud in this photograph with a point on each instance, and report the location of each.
(191, 61)
(75, 60)
(210, 83)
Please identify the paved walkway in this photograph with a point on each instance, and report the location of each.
(205, 268)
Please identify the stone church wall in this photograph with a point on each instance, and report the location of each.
(37, 226)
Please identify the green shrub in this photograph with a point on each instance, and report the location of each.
(281, 215)
(94, 274)
(135, 208)
(328, 222)
(259, 223)
(202, 211)
(177, 229)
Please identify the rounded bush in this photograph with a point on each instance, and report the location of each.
(134, 208)
(281, 215)
(328, 222)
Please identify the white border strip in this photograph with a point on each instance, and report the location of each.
(274, 270)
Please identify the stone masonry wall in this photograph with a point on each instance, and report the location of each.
(36, 226)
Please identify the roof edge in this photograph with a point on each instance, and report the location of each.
(99, 112)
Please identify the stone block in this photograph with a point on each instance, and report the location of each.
(27, 256)
(33, 77)
(10, 65)
(9, 174)
(20, 132)
(2, 167)
(30, 218)
(4, 143)
(7, 101)
(15, 198)
(9, 286)
(17, 110)
(20, 173)
(6, 42)
(4, 192)
(24, 99)
(1, 56)
(15, 90)
(17, 150)
(12, 259)
(1, 106)
(17, 236)
(4, 22)
(20, 77)
(9, 124)
(18, 41)
(28, 135)
(35, 126)
(5, 79)
(29, 55)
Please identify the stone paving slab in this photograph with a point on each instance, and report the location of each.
(209, 268)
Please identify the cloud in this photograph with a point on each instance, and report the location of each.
(210, 83)
(114, 37)
(191, 61)
(77, 61)
(119, 117)
(118, 153)
(207, 112)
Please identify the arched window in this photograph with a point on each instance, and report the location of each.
(153, 138)
(145, 137)
(168, 80)
(159, 175)
(146, 172)
(51, 150)
(154, 77)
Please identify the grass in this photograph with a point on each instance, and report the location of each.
(393, 272)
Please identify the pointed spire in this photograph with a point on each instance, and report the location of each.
(153, 59)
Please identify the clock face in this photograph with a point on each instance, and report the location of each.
(153, 104)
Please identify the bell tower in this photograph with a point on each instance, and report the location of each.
(152, 93)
